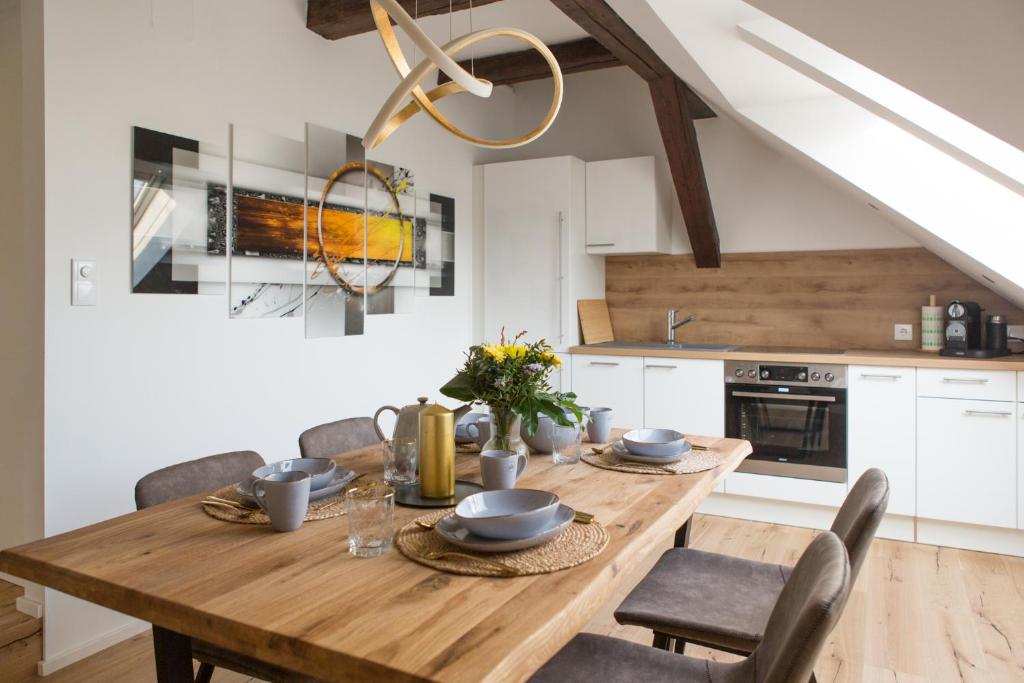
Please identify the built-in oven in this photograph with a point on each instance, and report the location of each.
(793, 414)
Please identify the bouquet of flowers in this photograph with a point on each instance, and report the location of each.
(512, 378)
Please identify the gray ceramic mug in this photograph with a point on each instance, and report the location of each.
(599, 428)
(501, 469)
(284, 496)
(480, 431)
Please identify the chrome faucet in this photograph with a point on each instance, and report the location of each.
(672, 324)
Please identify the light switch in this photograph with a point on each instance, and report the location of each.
(84, 283)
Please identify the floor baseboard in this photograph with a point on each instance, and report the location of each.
(48, 666)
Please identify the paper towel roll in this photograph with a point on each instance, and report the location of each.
(931, 328)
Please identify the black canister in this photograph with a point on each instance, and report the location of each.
(995, 333)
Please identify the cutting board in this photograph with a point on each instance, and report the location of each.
(595, 322)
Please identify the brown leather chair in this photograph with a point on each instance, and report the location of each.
(326, 440)
(188, 479)
(724, 602)
(807, 610)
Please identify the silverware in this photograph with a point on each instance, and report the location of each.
(427, 526)
(583, 517)
(598, 451)
(447, 554)
(243, 511)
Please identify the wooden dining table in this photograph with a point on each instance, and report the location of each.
(301, 602)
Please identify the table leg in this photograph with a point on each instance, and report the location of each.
(683, 535)
(173, 654)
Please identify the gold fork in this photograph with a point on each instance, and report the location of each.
(503, 568)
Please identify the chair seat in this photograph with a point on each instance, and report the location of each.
(589, 658)
(706, 598)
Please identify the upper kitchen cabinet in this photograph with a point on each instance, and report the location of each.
(536, 264)
(628, 207)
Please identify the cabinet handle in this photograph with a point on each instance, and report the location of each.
(561, 278)
(988, 413)
(785, 397)
(603, 363)
(965, 380)
(603, 244)
(666, 367)
(871, 376)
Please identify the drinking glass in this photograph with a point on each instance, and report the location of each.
(371, 509)
(565, 444)
(400, 459)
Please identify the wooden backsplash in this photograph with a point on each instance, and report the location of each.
(835, 299)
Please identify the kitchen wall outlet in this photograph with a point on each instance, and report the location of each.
(84, 283)
(904, 333)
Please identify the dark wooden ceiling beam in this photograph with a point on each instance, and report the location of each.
(334, 19)
(675, 109)
(672, 109)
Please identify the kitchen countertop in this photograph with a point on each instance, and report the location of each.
(910, 358)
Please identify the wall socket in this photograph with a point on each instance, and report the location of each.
(904, 333)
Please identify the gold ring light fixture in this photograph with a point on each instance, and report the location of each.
(393, 114)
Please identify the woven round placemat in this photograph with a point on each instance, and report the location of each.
(692, 462)
(577, 544)
(325, 508)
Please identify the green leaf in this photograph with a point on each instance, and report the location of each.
(460, 388)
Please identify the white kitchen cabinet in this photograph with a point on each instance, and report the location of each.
(982, 385)
(536, 264)
(967, 461)
(561, 377)
(882, 430)
(615, 382)
(628, 209)
(687, 395)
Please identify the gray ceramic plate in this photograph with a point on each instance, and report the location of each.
(450, 530)
(341, 478)
(622, 453)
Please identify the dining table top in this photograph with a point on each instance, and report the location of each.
(300, 601)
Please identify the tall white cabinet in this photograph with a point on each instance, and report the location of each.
(536, 264)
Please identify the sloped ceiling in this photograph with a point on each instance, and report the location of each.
(952, 208)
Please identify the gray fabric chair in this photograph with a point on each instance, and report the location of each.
(724, 602)
(807, 610)
(195, 476)
(329, 439)
(188, 479)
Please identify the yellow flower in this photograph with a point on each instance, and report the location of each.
(494, 351)
(551, 358)
(515, 351)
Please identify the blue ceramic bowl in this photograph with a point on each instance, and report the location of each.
(320, 470)
(507, 514)
(654, 442)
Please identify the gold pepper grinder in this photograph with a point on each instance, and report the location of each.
(437, 452)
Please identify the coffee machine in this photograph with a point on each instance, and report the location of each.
(962, 332)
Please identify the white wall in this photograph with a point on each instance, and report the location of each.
(142, 381)
(21, 273)
(763, 200)
(965, 56)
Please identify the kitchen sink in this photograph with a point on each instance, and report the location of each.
(663, 346)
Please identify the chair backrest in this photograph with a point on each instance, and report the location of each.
(806, 612)
(860, 515)
(332, 438)
(195, 476)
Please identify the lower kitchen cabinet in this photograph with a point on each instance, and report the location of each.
(882, 431)
(1020, 458)
(616, 382)
(967, 461)
(687, 395)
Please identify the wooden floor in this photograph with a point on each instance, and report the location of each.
(917, 614)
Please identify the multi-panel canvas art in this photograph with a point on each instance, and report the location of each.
(314, 229)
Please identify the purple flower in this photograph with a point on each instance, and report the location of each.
(533, 368)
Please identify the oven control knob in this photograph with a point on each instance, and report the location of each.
(739, 372)
(815, 376)
(765, 374)
(751, 373)
(802, 376)
(829, 377)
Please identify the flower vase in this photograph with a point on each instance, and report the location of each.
(505, 428)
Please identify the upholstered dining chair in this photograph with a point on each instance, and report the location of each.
(332, 438)
(724, 602)
(188, 479)
(807, 610)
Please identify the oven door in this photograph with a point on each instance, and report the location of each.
(795, 431)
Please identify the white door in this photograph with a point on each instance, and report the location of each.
(967, 461)
(523, 205)
(615, 382)
(685, 395)
(882, 430)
